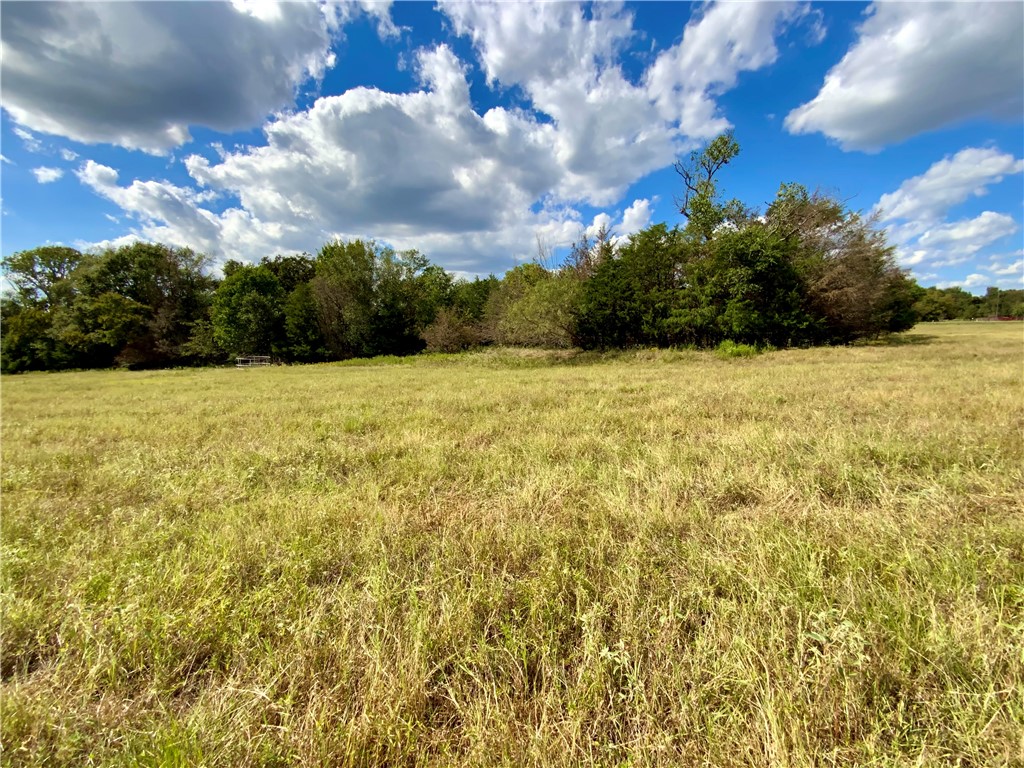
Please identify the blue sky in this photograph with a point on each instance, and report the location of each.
(473, 131)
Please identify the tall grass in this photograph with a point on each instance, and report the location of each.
(808, 557)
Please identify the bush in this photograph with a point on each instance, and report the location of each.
(729, 349)
(543, 316)
(450, 332)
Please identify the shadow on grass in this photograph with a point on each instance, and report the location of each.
(898, 340)
(524, 357)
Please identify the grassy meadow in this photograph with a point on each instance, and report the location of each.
(652, 558)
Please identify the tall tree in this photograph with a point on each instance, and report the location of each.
(853, 285)
(166, 286)
(42, 287)
(40, 275)
(700, 203)
(247, 312)
(631, 295)
(343, 290)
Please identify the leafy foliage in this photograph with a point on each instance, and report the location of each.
(955, 303)
(247, 311)
(134, 305)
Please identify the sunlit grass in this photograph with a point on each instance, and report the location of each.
(807, 557)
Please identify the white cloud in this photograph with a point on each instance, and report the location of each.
(97, 246)
(68, 155)
(395, 164)
(1017, 268)
(911, 258)
(380, 10)
(31, 143)
(970, 235)
(174, 215)
(973, 280)
(950, 243)
(601, 222)
(635, 218)
(97, 176)
(46, 175)
(139, 74)
(727, 39)
(917, 67)
(610, 131)
(7, 160)
(916, 213)
(950, 260)
(471, 189)
(947, 183)
(977, 280)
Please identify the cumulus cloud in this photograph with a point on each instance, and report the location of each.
(175, 215)
(978, 280)
(729, 38)
(916, 67)
(473, 189)
(139, 74)
(949, 182)
(973, 280)
(1015, 269)
(46, 175)
(609, 130)
(635, 218)
(916, 214)
(400, 163)
(970, 235)
(68, 155)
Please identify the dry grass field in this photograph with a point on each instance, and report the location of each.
(808, 557)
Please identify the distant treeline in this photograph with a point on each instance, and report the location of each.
(806, 272)
(957, 304)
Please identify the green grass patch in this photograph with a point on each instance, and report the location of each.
(729, 349)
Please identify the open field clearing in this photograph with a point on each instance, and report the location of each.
(809, 557)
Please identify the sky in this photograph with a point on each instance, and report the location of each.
(482, 134)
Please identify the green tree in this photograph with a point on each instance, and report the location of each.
(433, 289)
(41, 287)
(700, 203)
(27, 340)
(744, 290)
(343, 289)
(40, 276)
(544, 315)
(469, 298)
(134, 305)
(450, 331)
(515, 285)
(163, 287)
(458, 323)
(305, 342)
(290, 271)
(631, 296)
(247, 312)
(853, 286)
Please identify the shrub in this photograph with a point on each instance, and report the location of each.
(730, 348)
(450, 332)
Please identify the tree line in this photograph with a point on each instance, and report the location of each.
(805, 272)
(957, 304)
